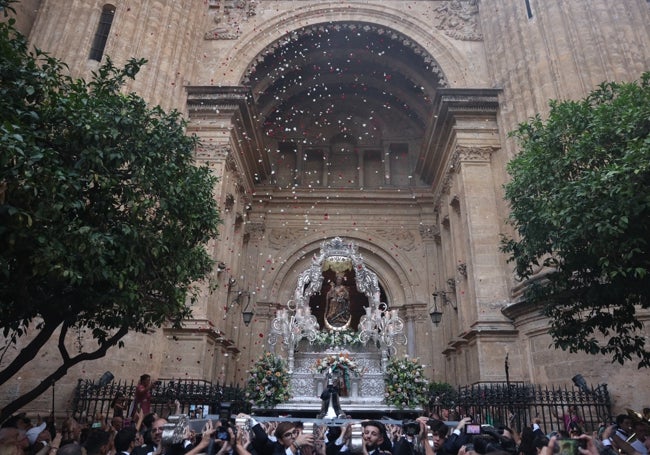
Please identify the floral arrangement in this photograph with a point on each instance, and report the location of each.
(405, 384)
(337, 338)
(339, 362)
(269, 382)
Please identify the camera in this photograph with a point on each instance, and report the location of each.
(411, 428)
(491, 441)
(473, 428)
(222, 431)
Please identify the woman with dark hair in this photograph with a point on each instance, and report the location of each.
(142, 398)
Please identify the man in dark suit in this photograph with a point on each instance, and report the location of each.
(375, 438)
(125, 441)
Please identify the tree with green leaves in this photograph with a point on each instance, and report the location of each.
(104, 214)
(580, 201)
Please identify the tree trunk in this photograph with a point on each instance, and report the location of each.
(29, 352)
(68, 362)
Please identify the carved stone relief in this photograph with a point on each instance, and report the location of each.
(475, 154)
(402, 238)
(280, 238)
(429, 232)
(459, 19)
(255, 230)
(229, 15)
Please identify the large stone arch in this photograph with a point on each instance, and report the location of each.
(457, 68)
(399, 278)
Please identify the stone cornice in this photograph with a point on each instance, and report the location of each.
(440, 138)
(230, 110)
(205, 327)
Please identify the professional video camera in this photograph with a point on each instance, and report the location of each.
(411, 427)
(492, 440)
(222, 431)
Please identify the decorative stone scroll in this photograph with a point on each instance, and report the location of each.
(402, 238)
(255, 231)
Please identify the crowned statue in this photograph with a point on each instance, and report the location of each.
(337, 305)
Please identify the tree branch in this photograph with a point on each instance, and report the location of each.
(62, 349)
(29, 352)
(49, 381)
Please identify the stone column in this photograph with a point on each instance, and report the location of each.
(300, 164)
(479, 213)
(386, 161)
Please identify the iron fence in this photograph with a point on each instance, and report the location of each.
(195, 397)
(517, 405)
(514, 404)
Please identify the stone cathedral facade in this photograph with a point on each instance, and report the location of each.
(383, 122)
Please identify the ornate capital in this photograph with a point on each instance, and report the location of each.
(464, 154)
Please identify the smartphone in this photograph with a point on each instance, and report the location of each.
(473, 428)
(566, 447)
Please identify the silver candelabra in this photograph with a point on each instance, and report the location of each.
(293, 324)
(384, 327)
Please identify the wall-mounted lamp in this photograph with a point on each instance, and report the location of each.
(436, 314)
(231, 303)
(246, 314)
(221, 266)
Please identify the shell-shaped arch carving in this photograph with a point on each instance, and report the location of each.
(412, 32)
(392, 37)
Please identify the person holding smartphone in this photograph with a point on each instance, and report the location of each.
(458, 437)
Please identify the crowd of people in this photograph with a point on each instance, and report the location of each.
(136, 432)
